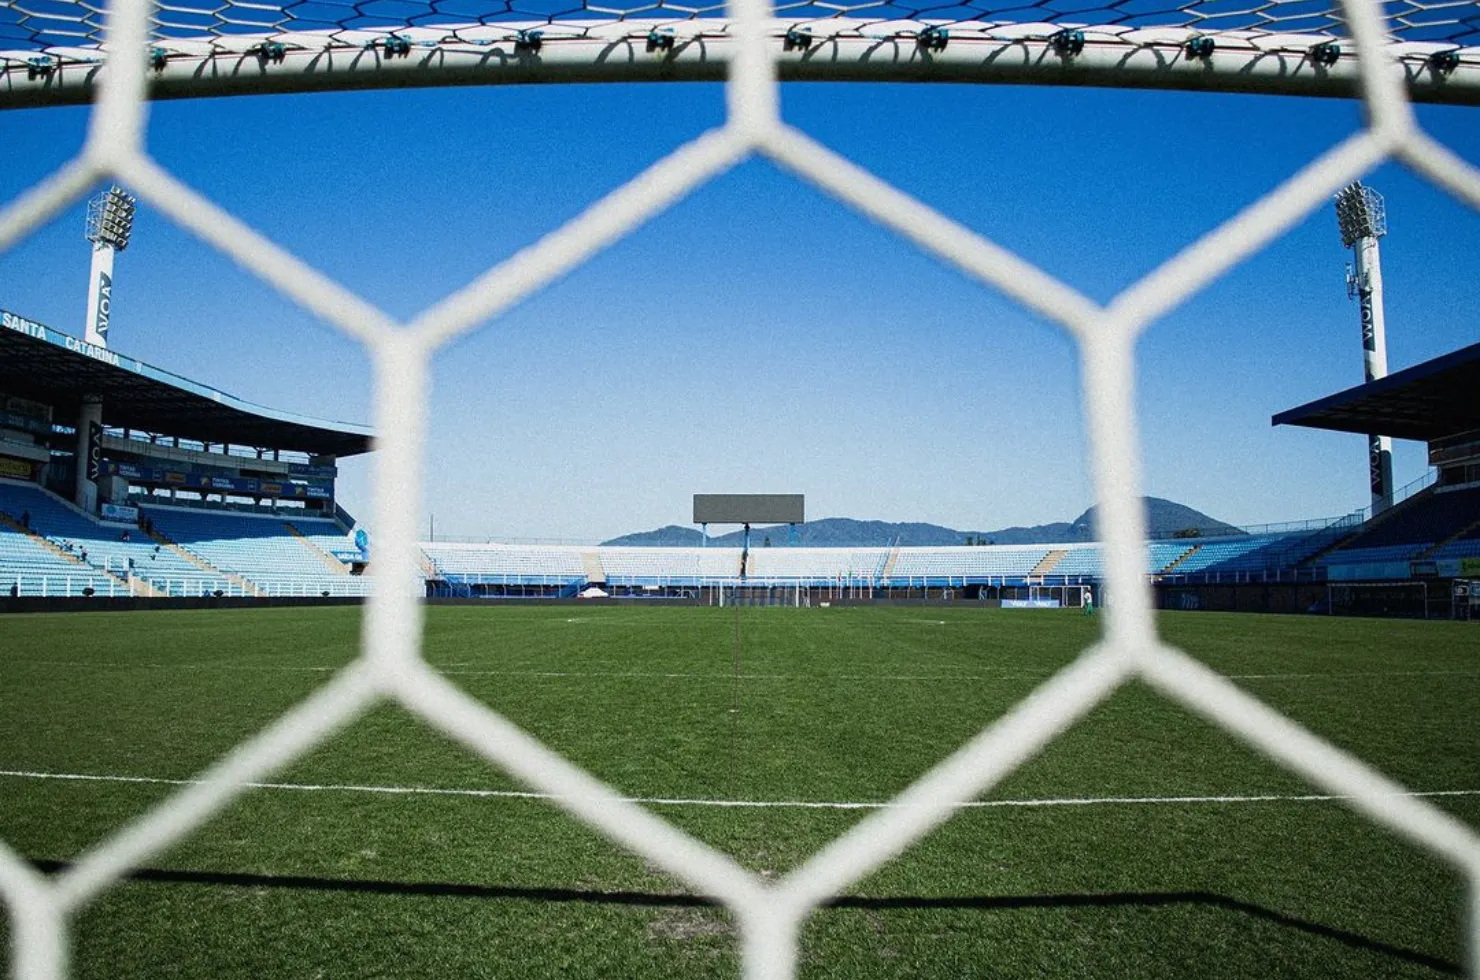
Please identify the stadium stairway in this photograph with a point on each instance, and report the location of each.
(330, 562)
(591, 564)
(165, 541)
(1465, 532)
(1172, 565)
(1342, 540)
(40, 540)
(888, 570)
(1048, 562)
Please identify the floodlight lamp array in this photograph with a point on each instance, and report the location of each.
(1360, 212)
(110, 218)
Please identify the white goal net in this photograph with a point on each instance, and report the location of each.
(146, 42)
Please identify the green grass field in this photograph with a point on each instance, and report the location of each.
(840, 705)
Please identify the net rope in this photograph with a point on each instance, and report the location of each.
(41, 23)
(390, 666)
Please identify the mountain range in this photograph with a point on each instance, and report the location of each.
(1164, 519)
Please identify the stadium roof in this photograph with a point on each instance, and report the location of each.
(47, 366)
(1427, 401)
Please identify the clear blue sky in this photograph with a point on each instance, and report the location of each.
(761, 337)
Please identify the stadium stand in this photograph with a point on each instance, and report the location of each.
(818, 564)
(157, 570)
(1418, 523)
(327, 537)
(668, 566)
(1464, 547)
(503, 564)
(87, 435)
(260, 549)
(28, 569)
(947, 565)
(1161, 554)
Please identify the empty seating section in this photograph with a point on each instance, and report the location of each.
(1426, 519)
(1160, 554)
(976, 564)
(1383, 553)
(29, 569)
(1255, 553)
(505, 564)
(328, 537)
(487, 564)
(1079, 561)
(820, 565)
(672, 566)
(262, 554)
(1466, 547)
(260, 549)
(1218, 553)
(104, 547)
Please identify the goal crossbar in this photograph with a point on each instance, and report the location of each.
(1188, 56)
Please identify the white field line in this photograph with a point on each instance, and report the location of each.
(1072, 801)
(966, 675)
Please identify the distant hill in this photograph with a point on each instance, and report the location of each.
(1165, 519)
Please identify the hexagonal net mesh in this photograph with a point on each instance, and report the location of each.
(769, 913)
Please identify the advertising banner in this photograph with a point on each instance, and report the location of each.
(1469, 567)
(208, 482)
(94, 451)
(15, 469)
(25, 423)
(120, 513)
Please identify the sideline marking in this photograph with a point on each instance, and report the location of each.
(756, 804)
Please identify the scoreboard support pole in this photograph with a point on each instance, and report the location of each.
(744, 509)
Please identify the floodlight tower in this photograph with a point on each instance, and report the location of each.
(1362, 216)
(110, 221)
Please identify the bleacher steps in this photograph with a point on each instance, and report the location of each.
(1048, 562)
(139, 585)
(333, 564)
(167, 542)
(1362, 528)
(1172, 566)
(888, 572)
(57, 499)
(1467, 529)
(591, 565)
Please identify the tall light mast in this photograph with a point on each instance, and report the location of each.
(110, 221)
(1363, 219)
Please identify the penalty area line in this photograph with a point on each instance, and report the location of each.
(663, 801)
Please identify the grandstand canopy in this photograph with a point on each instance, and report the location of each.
(1428, 401)
(54, 368)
